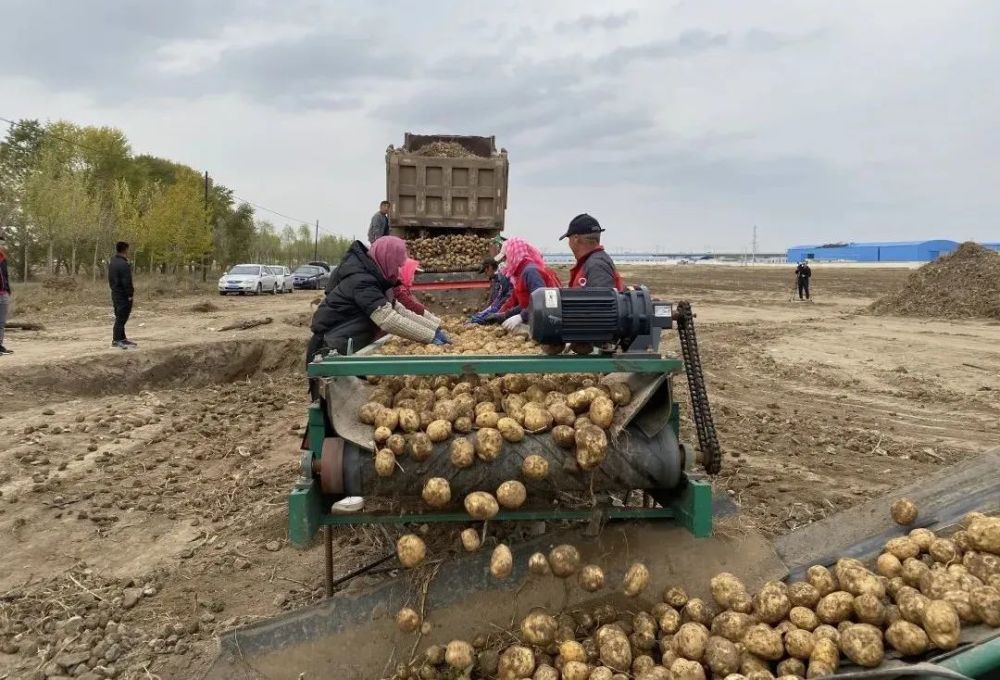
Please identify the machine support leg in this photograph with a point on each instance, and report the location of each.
(328, 555)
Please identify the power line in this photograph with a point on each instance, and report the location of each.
(238, 198)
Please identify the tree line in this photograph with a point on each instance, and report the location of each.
(69, 192)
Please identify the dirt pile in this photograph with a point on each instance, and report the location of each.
(444, 150)
(964, 284)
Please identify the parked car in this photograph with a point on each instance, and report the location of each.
(321, 263)
(248, 278)
(310, 276)
(284, 278)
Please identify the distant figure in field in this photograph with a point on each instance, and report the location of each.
(379, 226)
(4, 291)
(120, 281)
(802, 275)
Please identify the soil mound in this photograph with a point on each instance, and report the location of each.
(964, 284)
(444, 150)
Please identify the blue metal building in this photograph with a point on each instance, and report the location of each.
(890, 251)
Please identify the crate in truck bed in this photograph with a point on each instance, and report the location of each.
(446, 182)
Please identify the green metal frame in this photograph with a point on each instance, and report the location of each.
(690, 507)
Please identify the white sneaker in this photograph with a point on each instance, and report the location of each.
(349, 505)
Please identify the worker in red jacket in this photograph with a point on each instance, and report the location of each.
(527, 271)
(594, 268)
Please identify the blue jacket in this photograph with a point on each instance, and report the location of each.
(500, 290)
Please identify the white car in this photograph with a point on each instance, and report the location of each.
(284, 278)
(248, 278)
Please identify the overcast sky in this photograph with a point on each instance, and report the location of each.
(679, 125)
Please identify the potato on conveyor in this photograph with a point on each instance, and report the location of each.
(481, 505)
(410, 550)
(535, 467)
(407, 620)
(564, 560)
(636, 579)
(903, 511)
(501, 562)
(436, 492)
(511, 494)
(471, 540)
(385, 463)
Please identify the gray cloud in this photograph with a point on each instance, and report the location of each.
(589, 22)
(688, 44)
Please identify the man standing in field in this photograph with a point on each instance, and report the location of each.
(4, 291)
(120, 280)
(379, 226)
(802, 275)
(594, 268)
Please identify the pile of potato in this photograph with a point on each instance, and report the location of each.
(460, 252)
(471, 339)
(479, 415)
(911, 601)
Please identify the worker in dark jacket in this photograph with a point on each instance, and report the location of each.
(4, 291)
(594, 268)
(802, 275)
(379, 226)
(120, 280)
(500, 290)
(360, 302)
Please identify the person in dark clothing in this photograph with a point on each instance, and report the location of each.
(594, 268)
(120, 280)
(500, 290)
(379, 226)
(802, 275)
(360, 303)
(4, 291)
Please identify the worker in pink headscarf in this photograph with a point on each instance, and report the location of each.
(527, 271)
(404, 294)
(360, 302)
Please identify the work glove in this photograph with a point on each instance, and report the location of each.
(440, 338)
(512, 323)
(493, 318)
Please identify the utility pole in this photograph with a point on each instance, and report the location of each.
(208, 219)
(753, 259)
(316, 243)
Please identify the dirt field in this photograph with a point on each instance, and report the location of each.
(142, 507)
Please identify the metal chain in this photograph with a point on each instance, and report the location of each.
(701, 412)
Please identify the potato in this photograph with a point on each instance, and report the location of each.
(410, 550)
(724, 587)
(761, 675)
(488, 444)
(696, 610)
(763, 641)
(803, 594)
(961, 541)
(750, 663)
(436, 492)
(538, 564)
(445, 410)
(471, 540)
(940, 620)
(835, 607)
(511, 494)
(962, 603)
(913, 571)
(869, 609)
(791, 668)
(591, 447)
(462, 425)
(535, 467)
(771, 603)
(670, 621)
(381, 435)
(614, 650)
(636, 579)
(385, 463)
(891, 615)
(684, 669)
(984, 534)
(564, 436)
(484, 407)
(426, 418)
(407, 620)
(510, 430)
(602, 412)
(562, 414)
(983, 566)
(859, 581)
(439, 430)
(821, 579)
(591, 578)
(902, 547)
(575, 670)
(368, 411)
(923, 538)
(785, 626)
(828, 632)
(459, 654)
(605, 673)
(944, 551)
(731, 625)
(906, 638)
(675, 596)
(536, 418)
(936, 582)
(799, 643)
(903, 511)
(487, 419)
(690, 641)
(442, 393)
(888, 565)
(862, 644)
(824, 660)
(804, 618)
(721, 655)
(986, 605)
(620, 393)
(461, 453)
(579, 401)
(581, 422)
(501, 562)
(539, 628)
(912, 605)
(571, 650)
(387, 418)
(564, 560)
(481, 505)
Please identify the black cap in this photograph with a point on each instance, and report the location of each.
(582, 224)
(489, 262)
